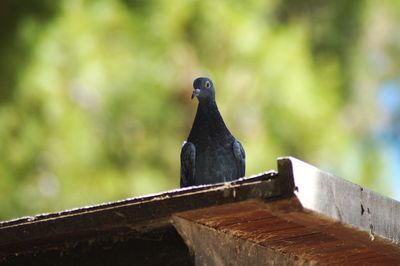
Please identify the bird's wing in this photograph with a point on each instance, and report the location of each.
(240, 157)
(188, 156)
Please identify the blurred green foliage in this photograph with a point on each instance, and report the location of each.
(95, 95)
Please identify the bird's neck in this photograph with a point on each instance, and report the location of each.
(208, 123)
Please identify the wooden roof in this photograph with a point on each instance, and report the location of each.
(280, 232)
(298, 215)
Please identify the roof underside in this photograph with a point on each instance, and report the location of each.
(299, 215)
(277, 232)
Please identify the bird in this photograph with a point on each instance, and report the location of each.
(211, 154)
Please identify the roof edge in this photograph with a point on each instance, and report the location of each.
(134, 215)
(342, 200)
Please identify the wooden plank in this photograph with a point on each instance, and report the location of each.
(342, 200)
(275, 233)
(140, 214)
(211, 247)
(161, 246)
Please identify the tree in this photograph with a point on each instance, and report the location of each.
(97, 105)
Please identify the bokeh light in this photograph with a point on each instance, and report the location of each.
(95, 95)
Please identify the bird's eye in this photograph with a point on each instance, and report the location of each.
(208, 84)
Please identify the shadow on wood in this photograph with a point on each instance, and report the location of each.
(298, 215)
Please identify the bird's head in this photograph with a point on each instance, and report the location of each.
(203, 89)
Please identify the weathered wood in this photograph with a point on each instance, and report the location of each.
(342, 200)
(132, 215)
(139, 200)
(277, 232)
(211, 247)
(272, 218)
(161, 246)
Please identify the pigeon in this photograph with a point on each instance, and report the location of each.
(211, 154)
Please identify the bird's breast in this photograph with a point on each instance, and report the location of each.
(215, 163)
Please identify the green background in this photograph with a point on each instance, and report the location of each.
(95, 95)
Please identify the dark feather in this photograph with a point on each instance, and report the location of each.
(188, 155)
(240, 157)
(211, 154)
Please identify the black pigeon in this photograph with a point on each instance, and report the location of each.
(211, 153)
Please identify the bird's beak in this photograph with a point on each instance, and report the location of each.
(195, 93)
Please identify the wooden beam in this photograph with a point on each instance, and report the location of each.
(279, 232)
(131, 215)
(342, 200)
